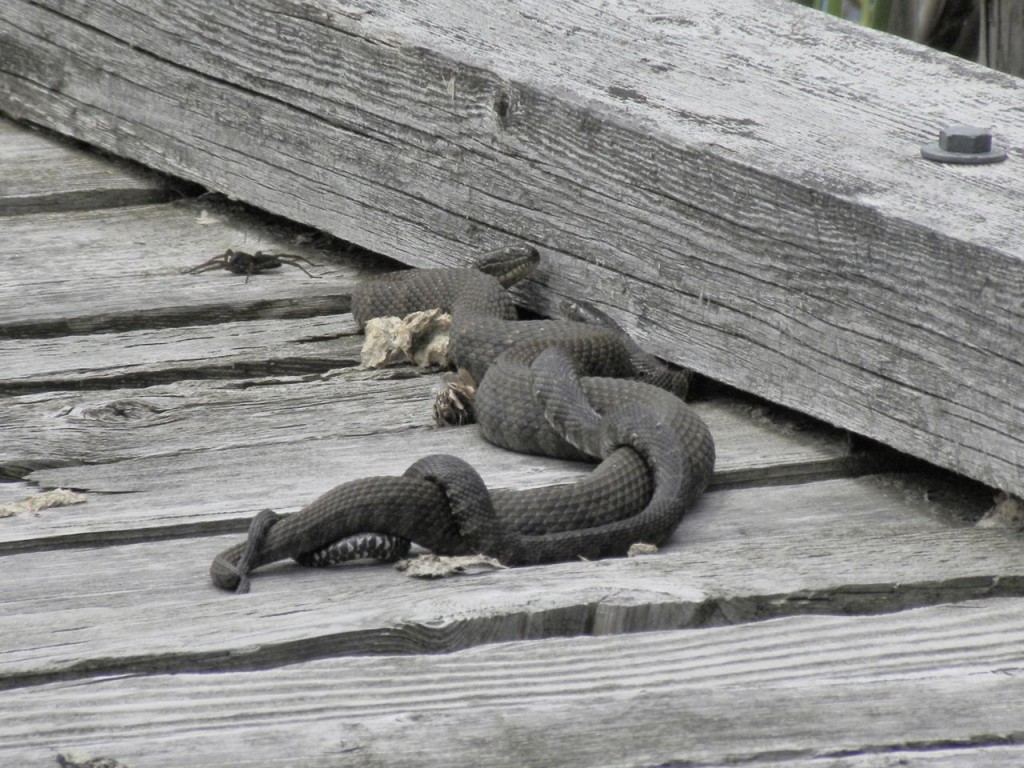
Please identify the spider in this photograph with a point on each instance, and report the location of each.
(249, 264)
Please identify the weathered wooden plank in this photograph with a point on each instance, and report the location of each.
(207, 456)
(848, 546)
(71, 427)
(228, 349)
(927, 688)
(819, 262)
(39, 172)
(122, 268)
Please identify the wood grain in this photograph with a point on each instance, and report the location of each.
(926, 688)
(1000, 35)
(818, 262)
(39, 172)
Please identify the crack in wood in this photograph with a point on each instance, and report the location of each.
(176, 317)
(154, 533)
(786, 756)
(973, 742)
(284, 366)
(584, 619)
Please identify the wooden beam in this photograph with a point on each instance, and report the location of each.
(739, 182)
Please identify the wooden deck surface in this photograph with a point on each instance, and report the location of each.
(822, 604)
(745, 174)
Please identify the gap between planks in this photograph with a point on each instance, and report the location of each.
(929, 688)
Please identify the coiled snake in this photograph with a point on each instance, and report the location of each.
(581, 390)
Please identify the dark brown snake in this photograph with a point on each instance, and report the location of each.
(581, 390)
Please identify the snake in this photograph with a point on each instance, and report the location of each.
(578, 388)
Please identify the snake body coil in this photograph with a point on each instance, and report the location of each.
(581, 390)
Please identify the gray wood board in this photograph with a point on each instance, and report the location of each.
(841, 546)
(224, 350)
(122, 269)
(818, 262)
(208, 454)
(928, 688)
(40, 172)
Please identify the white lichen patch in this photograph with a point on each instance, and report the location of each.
(58, 497)
(438, 566)
(422, 338)
(640, 549)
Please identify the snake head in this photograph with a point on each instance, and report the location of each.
(510, 264)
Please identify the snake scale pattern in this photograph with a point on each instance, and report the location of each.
(568, 389)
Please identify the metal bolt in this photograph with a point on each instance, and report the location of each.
(964, 144)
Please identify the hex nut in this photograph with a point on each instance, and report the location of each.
(965, 139)
(964, 145)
